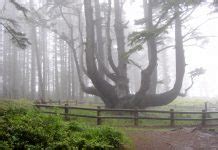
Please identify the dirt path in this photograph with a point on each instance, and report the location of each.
(181, 139)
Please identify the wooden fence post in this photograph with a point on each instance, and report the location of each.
(136, 115)
(66, 112)
(37, 106)
(59, 102)
(98, 115)
(206, 109)
(172, 118)
(205, 106)
(203, 123)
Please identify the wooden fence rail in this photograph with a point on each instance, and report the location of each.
(134, 114)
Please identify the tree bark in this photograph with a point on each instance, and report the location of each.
(56, 72)
(107, 90)
(142, 98)
(122, 87)
(147, 100)
(151, 43)
(100, 44)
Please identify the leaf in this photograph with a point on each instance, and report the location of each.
(133, 50)
(197, 72)
(18, 38)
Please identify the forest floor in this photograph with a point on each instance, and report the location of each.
(175, 139)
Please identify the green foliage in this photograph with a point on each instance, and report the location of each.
(29, 129)
(197, 72)
(137, 39)
(11, 26)
(18, 38)
(6, 105)
(92, 138)
(163, 18)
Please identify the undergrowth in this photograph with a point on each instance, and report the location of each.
(22, 128)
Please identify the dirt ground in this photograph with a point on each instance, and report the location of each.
(177, 139)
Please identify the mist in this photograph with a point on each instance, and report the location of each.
(127, 54)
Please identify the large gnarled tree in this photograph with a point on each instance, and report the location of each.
(111, 83)
(117, 94)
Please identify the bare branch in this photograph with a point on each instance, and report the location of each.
(193, 74)
(19, 7)
(165, 48)
(197, 27)
(65, 19)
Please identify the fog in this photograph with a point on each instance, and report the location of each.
(202, 53)
(61, 50)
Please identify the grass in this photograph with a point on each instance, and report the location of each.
(124, 125)
(188, 101)
(183, 104)
(115, 122)
(21, 103)
(125, 122)
(20, 117)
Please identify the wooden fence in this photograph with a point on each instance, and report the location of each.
(134, 114)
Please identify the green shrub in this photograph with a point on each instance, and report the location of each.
(30, 129)
(4, 145)
(97, 138)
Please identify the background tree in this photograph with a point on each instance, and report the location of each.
(75, 51)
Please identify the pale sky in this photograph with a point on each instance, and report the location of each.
(206, 56)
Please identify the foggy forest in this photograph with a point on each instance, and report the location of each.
(60, 50)
(116, 55)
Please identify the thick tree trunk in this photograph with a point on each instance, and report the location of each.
(106, 90)
(122, 87)
(81, 42)
(36, 58)
(142, 101)
(33, 62)
(100, 44)
(14, 74)
(62, 71)
(151, 43)
(44, 56)
(33, 75)
(5, 65)
(56, 72)
(118, 95)
(71, 87)
(142, 98)
(109, 40)
(39, 67)
(23, 93)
